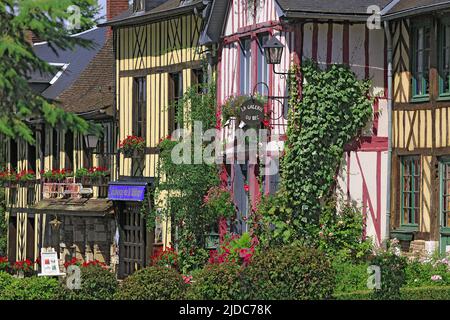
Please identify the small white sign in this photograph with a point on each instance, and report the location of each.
(50, 264)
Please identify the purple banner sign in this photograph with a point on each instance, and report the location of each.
(126, 192)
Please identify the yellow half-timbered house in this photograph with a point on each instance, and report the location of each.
(158, 57)
(50, 200)
(420, 178)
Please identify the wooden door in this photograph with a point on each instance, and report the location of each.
(132, 248)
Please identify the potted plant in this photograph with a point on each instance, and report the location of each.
(91, 175)
(26, 177)
(23, 268)
(97, 174)
(132, 147)
(4, 264)
(8, 178)
(56, 175)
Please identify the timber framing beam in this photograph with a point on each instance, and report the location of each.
(157, 70)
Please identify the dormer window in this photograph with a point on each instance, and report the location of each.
(138, 5)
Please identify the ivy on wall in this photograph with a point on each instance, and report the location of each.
(331, 112)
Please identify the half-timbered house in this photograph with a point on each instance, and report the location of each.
(420, 182)
(57, 202)
(158, 57)
(327, 32)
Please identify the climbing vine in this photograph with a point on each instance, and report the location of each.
(182, 189)
(331, 112)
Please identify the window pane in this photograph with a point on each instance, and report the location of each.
(263, 67)
(246, 68)
(411, 190)
(422, 60)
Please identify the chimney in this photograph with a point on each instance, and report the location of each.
(115, 7)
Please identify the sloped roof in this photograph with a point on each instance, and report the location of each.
(412, 7)
(351, 7)
(94, 88)
(164, 10)
(76, 60)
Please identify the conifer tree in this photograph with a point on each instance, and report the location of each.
(49, 20)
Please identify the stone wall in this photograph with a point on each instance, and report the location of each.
(88, 239)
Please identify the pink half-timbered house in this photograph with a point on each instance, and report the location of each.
(327, 32)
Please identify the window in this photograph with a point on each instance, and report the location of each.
(13, 155)
(198, 79)
(68, 148)
(410, 190)
(105, 145)
(138, 5)
(140, 107)
(445, 193)
(246, 67)
(444, 58)
(55, 149)
(263, 67)
(175, 94)
(421, 61)
(32, 155)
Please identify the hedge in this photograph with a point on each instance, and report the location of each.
(32, 288)
(152, 283)
(419, 293)
(97, 283)
(216, 282)
(289, 273)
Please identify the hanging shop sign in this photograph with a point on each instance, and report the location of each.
(126, 192)
(252, 112)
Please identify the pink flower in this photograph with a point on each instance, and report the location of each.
(187, 279)
(246, 187)
(436, 277)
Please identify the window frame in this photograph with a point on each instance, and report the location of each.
(245, 66)
(175, 94)
(415, 97)
(443, 162)
(413, 191)
(443, 23)
(263, 68)
(140, 107)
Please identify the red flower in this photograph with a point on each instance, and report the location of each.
(266, 123)
(246, 187)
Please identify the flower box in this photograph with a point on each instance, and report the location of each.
(132, 147)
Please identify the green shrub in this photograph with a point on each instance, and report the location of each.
(153, 283)
(426, 293)
(216, 282)
(32, 288)
(290, 272)
(5, 280)
(97, 283)
(419, 293)
(421, 274)
(356, 295)
(393, 277)
(341, 230)
(350, 277)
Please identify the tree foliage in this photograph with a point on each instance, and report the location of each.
(47, 20)
(181, 188)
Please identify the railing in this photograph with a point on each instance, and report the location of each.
(76, 188)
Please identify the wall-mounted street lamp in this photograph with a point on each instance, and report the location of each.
(273, 52)
(91, 141)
